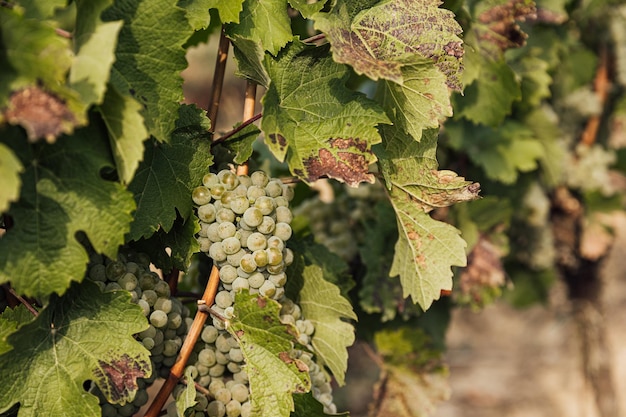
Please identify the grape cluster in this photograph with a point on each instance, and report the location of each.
(168, 317)
(244, 225)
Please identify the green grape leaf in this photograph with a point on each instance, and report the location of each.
(419, 102)
(265, 22)
(412, 168)
(62, 194)
(314, 122)
(536, 80)
(83, 335)
(94, 48)
(41, 10)
(187, 400)
(266, 343)
(307, 406)
(323, 305)
(149, 59)
(250, 56)
(501, 152)
(122, 117)
(197, 12)
(307, 8)
(10, 168)
(240, 144)
(378, 40)
(11, 320)
(169, 171)
(180, 240)
(425, 251)
(228, 9)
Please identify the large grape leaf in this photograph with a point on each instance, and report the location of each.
(313, 121)
(169, 171)
(266, 344)
(62, 194)
(265, 22)
(425, 251)
(83, 335)
(150, 58)
(412, 167)
(10, 168)
(228, 9)
(378, 40)
(323, 305)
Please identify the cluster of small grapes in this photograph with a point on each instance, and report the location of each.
(245, 222)
(168, 317)
(336, 224)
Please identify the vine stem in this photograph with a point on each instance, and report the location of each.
(601, 86)
(218, 79)
(237, 129)
(21, 299)
(248, 114)
(178, 368)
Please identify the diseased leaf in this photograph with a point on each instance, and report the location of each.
(169, 171)
(266, 343)
(10, 168)
(323, 305)
(314, 122)
(265, 22)
(62, 194)
(84, 335)
(425, 251)
(149, 59)
(378, 40)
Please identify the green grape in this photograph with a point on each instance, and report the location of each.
(163, 304)
(217, 370)
(212, 232)
(210, 179)
(223, 299)
(279, 279)
(216, 409)
(254, 192)
(202, 370)
(225, 214)
(240, 284)
(288, 192)
(206, 357)
(276, 242)
(267, 226)
(239, 204)
(256, 241)
(144, 306)
(170, 348)
(252, 216)
(98, 273)
(201, 195)
(235, 258)
(216, 252)
(288, 256)
(283, 215)
(150, 296)
(204, 243)
(215, 386)
(206, 213)
(158, 318)
(148, 343)
(221, 357)
(235, 355)
(147, 280)
(276, 269)
(265, 205)
(229, 179)
(268, 289)
(209, 334)
(201, 402)
(108, 410)
(217, 190)
(149, 332)
(141, 398)
(231, 245)
(274, 256)
(112, 286)
(274, 188)
(256, 280)
(260, 257)
(223, 395)
(239, 392)
(115, 270)
(282, 231)
(246, 409)
(229, 312)
(174, 320)
(233, 408)
(242, 273)
(162, 289)
(259, 178)
(247, 263)
(281, 201)
(228, 274)
(221, 343)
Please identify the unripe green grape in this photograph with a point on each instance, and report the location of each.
(201, 195)
(222, 358)
(246, 409)
(235, 258)
(210, 179)
(158, 337)
(259, 178)
(281, 201)
(252, 216)
(240, 284)
(223, 299)
(115, 270)
(233, 408)
(254, 192)
(287, 319)
(98, 273)
(216, 409)
(231, 245)
(217, 370)
(280, 292)
(274, 188)
(162, 289)
(226, 229)
(216, 385)
(274, 256)
(229, 312)
(239, 392)
(128, 281)
(287, 256)
(201, 402)
(229, 179)
(112, 286)
(267, 226)
(149, 332)
(148, 280)
(283, 231)
(145, 307)
(288, 192)
(228, 274)
(265, 205)
(206, 213)
(256, 280)
(260, 257)
(163, 304)
(206, 357)
(221, 343)
(202, 370)
(279, 279)
(275, 269)
(150, 296)
(168, 333)
(233, 368)
(209, 334)
(256, 241)
(235, 354)
(204, 243)
(217, 190)
(243, 237)
(283, 215)
(276, 242)
(239, 204)
(216, 252)
(170, 348)
(247, 263)
(245, 226)
(225, 215)
(242, 273)
(241, 377)
(100, 285)
(174, 320)
(268, 289)
(158, 318)
(141, 398)
(109, 410)
(148, 343)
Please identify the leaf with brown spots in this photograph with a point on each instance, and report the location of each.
(313, 121)
(265, 343)
(83, 335)
(379, 40)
